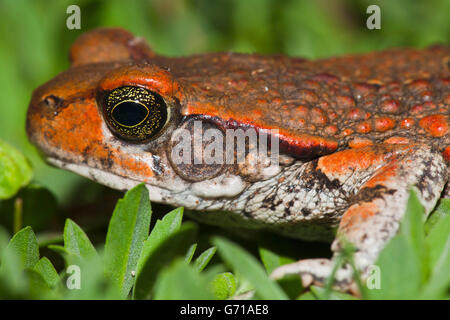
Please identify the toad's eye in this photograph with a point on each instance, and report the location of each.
(135, 113)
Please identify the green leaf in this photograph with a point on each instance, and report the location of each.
(321, 293)
(24, 243)
(174, 246)
(291, 285)
(400, 276)
(48, 238)
(248, 266)
(438, 242)
(190, 253)
(307, 296)
(440, 212)
(69, 257)
(15, 171)
(4, 240)
(77, 242)
(245, 287)
(202, 260)
(127, 231)
(11, 275)
(39, 207)
(412, 224)
(181, 282)
(170, 223)
(45, 268)
(224, 285)
(18, 280)
(412, 227)
(89, 281)
(272, 260)
(38, 288)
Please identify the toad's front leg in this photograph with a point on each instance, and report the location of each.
(383, 176)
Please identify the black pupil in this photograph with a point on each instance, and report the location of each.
(129, 113)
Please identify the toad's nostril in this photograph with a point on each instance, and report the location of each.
(52, 101)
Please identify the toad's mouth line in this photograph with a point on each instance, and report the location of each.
(114, 181)
(188, 196)
(103, 177)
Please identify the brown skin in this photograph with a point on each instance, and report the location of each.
(362, 129)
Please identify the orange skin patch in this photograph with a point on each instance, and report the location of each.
(436, 125)
(358, 212)
(356, 114)
(391, 106)
(380, 178)
(347, 132)
(364, 127)
(115, 45)
(397, 140)
(360, 142)
(446, 154)
(407, 123)
(331, 130)
(354, 160)
(350, 160)
(74, 135)
(383, 124)
(301, 145)
(151, 77)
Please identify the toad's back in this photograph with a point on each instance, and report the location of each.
(398, 96)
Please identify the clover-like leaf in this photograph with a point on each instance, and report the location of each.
(15, 171)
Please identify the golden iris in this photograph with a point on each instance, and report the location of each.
(135, 113)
